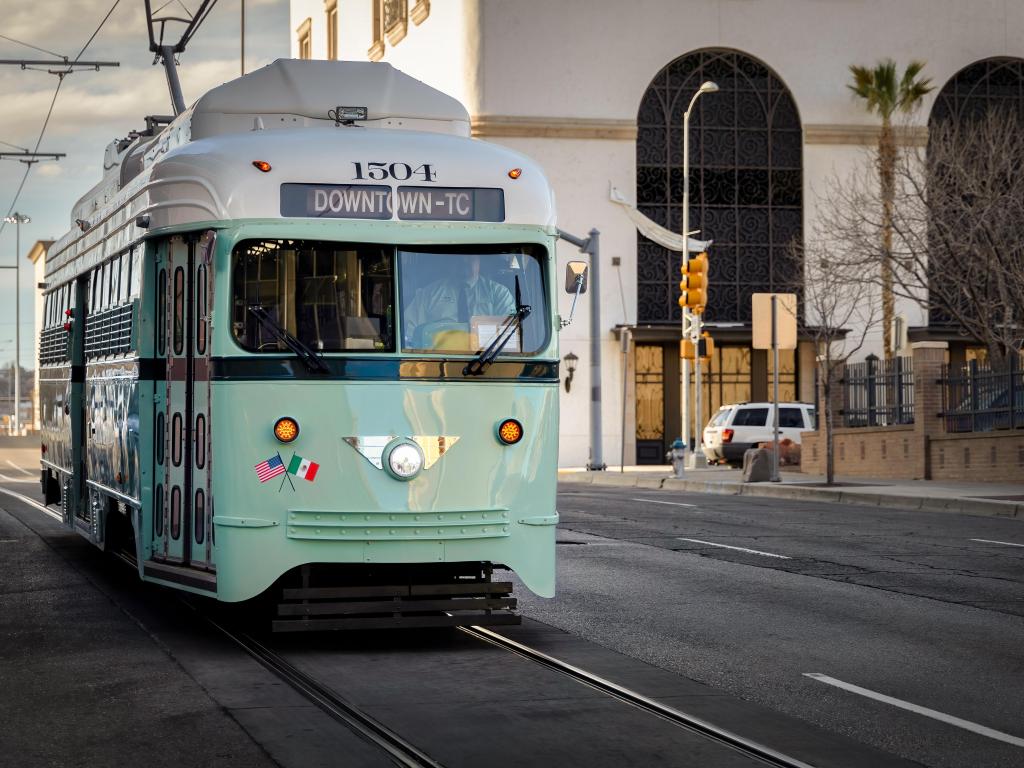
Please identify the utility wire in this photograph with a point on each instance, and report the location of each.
(34, 47)
(15, 146)
(49, 113)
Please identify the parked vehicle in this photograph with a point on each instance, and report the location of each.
(735, 428)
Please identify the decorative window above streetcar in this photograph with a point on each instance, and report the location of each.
(331, 296)
(461, 298)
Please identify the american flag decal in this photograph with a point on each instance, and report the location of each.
(270, 468)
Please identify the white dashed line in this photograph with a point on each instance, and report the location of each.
(1004, 543)
(670, 503)
(967, 725)
(738, 549)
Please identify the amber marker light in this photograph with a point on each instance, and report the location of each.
(510, 432)
(286, 429)
(261, 165)
(515, 173)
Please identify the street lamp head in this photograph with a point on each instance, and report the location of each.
(17, 218)
(708, 87)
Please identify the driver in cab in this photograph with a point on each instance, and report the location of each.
(451, 302)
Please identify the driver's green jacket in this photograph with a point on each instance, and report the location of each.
(439, 302)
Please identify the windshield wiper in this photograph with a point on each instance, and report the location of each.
(513, 323)
(314, 361)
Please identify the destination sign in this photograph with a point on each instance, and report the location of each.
(451, 204)
(378, 201)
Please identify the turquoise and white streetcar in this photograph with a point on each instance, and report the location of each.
(302, 342)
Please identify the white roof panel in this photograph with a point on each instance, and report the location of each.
(310, 90)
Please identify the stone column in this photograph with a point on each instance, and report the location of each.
(929, 359)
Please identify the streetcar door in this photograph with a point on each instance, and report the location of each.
(184, 296)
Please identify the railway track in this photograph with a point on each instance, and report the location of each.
(402, 752)
(681, 719)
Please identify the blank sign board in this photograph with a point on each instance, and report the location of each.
(785, 320)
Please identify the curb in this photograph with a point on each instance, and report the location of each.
(954, 505)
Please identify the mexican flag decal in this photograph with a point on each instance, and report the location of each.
(303, 468)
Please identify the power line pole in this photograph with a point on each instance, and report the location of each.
(17, 219)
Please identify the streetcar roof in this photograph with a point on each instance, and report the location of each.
(300, 90)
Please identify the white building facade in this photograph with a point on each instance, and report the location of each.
(595, 89)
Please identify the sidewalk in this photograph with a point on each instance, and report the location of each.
(989, 499)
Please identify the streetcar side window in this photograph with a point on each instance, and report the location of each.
(333, 296)
(136, 272)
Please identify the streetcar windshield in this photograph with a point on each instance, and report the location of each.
(461, 298)
(331, 296)
(337, 297)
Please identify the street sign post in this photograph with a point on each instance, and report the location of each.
(774, 328)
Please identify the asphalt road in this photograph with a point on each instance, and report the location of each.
(924, 608)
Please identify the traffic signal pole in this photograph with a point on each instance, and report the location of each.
(592, 247)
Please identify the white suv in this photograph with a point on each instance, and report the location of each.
(735, 428)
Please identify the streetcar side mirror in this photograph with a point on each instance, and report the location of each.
(575, 283)
(576, 274)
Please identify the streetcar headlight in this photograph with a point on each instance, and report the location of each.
(510, 431)
(405, 460)
(286, 429)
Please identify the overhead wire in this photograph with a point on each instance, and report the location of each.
(34, 47)
(49, 112)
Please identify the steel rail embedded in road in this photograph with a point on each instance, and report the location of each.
(689, 722)
(33, 503)
(398, 749)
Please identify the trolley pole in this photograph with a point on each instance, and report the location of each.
(592, 247)
(17, 219)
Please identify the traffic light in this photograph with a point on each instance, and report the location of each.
(693, 288)
(706, 347)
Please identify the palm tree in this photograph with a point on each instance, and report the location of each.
(884, 93)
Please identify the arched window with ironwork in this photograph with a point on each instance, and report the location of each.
(974, 108)
(746, 182)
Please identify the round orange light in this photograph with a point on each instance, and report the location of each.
(286, 429)
(510, 431)
(262, 165)
(515, 173)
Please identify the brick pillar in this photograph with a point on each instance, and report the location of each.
(929, 358)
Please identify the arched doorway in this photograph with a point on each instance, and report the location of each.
(746, 186)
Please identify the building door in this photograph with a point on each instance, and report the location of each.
(184, 295)
(650, 404)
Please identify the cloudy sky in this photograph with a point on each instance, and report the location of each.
(93, 107)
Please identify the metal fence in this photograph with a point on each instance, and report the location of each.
(978, 398)
(878, 393)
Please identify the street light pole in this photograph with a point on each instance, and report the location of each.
(691, 323)
(17, 220)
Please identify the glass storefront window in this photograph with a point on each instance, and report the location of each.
(459, 299)
(332, 296)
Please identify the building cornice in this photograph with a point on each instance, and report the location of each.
(512, 126)
(862, 135)
(488, 126)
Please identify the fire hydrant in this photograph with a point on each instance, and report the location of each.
(677, 456)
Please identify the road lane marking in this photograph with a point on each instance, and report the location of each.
(738, 549)
(1004, 543)
(32, 502)
(670, 503)
(20, 469)
(967, 725)
(9, 479)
